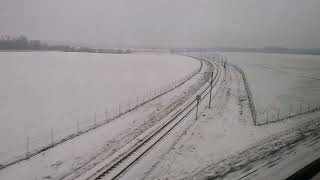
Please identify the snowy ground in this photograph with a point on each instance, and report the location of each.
(58, 90)
(74, 157)
(280, 80)
(223, 143)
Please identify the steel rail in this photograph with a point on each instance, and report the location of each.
(101, 173)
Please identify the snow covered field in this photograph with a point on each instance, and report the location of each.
(44, 90)
(74, 157)
(280, 80)
(222, 143)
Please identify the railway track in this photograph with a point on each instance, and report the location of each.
(121, 164)
(72, 136)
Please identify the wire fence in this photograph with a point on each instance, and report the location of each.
(278, 114)
(35, 145)
(249, 94)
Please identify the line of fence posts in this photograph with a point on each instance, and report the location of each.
(292, 112)
(144, 98)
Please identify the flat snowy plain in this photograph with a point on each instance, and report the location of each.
(223, 143)
(280, 80)
(44, 90)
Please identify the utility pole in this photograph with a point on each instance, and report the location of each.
(211, 83)
(198, 98)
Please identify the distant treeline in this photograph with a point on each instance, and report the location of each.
(22, 43)
(267, 49)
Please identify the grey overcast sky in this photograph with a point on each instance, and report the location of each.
(246, 23)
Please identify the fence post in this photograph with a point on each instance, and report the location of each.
(198, 98)
(119, 109)
(77, 126)
(290, 111)
(300, 108)
(106, 113)
(27, 146)
(51, 135)
(210, 89)
(267, 117)
(279, 114)
(137, 104)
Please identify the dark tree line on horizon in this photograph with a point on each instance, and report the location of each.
(23, 43)
(20, 43)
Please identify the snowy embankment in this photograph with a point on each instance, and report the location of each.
(74, 157)
(281, 84)
(224, 144)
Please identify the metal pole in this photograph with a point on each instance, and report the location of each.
(27, 146)
(51, 133)
(210, 89)
(197, 110)
(106, 113)
(198, 98)
(77, 126)
(290, 110)
(309, 108)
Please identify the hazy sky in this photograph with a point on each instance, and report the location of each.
(248, 23)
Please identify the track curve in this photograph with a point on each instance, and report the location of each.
(119, 166)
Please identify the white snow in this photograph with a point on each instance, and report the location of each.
(224, 140)
(80, 154)
(222, 143)
(280, 80)
(44, 90)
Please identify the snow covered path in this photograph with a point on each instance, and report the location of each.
(72, 158)
(225, 144)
